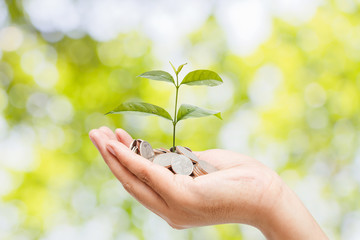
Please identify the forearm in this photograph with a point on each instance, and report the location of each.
(289, 219)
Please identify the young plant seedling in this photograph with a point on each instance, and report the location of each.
(197, 77)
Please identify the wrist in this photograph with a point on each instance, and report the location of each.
(287, 217)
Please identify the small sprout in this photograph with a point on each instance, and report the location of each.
(197, 77)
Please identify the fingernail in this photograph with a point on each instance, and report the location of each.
(110, 149)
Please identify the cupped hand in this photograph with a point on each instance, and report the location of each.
(241, 187)
(242, 191)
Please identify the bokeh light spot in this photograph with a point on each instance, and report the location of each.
(6, 180)
(3, 100)
(11, 38)
(135, 46)
(295, 12)
(235, 134)
(247, 24)
(350, 228)
(315, 95)
(60, 110)
(83, 201)
(6, 74)
(30, 61)
(308, 40)
(46, 76)
(262, 89)
(17, 151)
(111, 53)
(3, 14)
(18, 95)
(3, 127)
(36, 104)
(221, 97)
(9, 218)
(51, 136)
(317, 118)
(53, 15)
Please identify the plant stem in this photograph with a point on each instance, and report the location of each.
(176, 100)
(174, 124)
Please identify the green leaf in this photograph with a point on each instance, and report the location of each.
(158, 75)
(180, 67)
(173, 67)
(202, 77)
(141, 107)
(190, 111)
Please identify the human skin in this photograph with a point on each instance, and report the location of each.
(242, 191)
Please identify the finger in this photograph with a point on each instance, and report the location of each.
(158, 178)
(142, 192)
(107, 131)
(123, 137)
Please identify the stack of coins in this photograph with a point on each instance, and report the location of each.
(180, 160)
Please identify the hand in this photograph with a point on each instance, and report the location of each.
(242, 191)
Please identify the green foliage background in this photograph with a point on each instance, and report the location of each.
(56, 184)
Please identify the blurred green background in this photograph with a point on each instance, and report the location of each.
(290, 98)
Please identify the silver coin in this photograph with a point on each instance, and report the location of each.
(135, 149)
(206, 167)
(164, 149)
(187, 153)
(196, 171)
(146, 150)
(188, 149)
(165, 159)
(158, 151)
(182, 165)
(152, 158)
(138, 142)
(133, 144)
